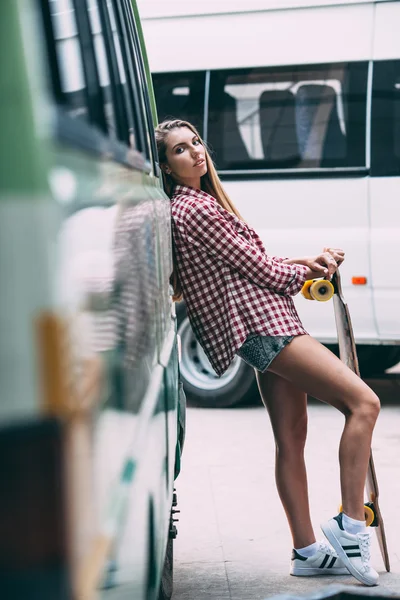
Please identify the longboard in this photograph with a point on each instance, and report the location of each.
(348, 354)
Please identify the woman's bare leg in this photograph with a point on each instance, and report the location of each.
(287, 408)
(313, 368)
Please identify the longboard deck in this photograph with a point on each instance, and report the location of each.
(348, 355)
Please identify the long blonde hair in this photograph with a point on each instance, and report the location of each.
(210, 182)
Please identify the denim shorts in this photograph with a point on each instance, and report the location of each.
(259, 351)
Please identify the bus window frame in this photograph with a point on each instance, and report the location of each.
(131, 76)
(51, 52)
(94, 93)
(121, 120)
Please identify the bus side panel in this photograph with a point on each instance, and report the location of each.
(34, 554)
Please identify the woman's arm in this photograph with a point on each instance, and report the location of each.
(312, 273)
(295, 261)
(322, 265)
(207, 228)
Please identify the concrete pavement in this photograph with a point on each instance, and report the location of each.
(233, 540)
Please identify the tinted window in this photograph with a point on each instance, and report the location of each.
(291, 117)
(102, 66)
(385, 129)
(140, 91)
(69, 58)
(180, 96)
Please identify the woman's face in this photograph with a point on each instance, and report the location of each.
(186, 158)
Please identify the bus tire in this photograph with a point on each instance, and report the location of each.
(167, 579)
(203, 388)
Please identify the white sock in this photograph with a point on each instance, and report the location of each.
(353, 526)
(308, 550)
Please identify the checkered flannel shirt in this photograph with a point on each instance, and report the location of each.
(231, 287)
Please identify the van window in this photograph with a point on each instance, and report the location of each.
(180, 96)
(299, 117)
(385, 127)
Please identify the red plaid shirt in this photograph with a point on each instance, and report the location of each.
(231, 287)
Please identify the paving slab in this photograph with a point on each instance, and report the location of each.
(233, 539)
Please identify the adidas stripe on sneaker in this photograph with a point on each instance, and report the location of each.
(323, 562)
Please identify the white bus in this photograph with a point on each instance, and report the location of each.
(300, 104)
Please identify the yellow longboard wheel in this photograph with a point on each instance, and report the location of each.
(372, 519)
(305, 290)
(321, 290)
(369, 514)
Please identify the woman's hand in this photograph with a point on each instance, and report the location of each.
(322, 265)
(336, 253)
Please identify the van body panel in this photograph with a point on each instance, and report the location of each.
(303, 41)
(386, 43)
(154, 9)
(385, 252)
(345, 225)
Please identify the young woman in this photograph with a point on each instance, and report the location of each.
(239, 301)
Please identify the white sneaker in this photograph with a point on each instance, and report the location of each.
(353, 549)
(324, 561)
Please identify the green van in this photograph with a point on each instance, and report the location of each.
(91, 418)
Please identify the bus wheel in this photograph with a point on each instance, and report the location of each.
(203, 387)
(167, 579)
(166, 584)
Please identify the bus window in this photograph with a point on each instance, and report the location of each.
(69, 58)
(102, 66)
(303, 117)
(128, 133)
(385, 127)
(133, 49)
(180, 96)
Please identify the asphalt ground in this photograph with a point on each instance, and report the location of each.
(233, 541)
